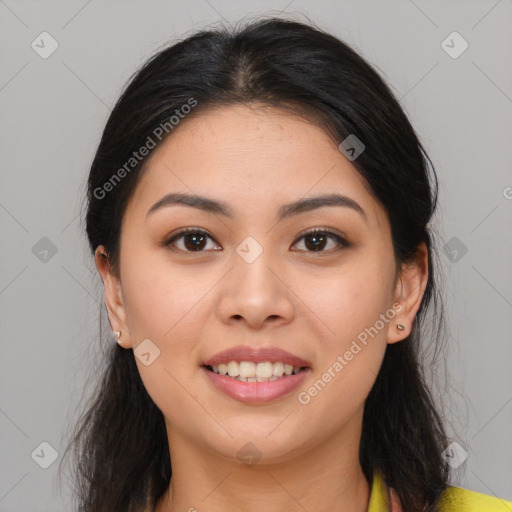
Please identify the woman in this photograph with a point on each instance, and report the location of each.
(259, 209)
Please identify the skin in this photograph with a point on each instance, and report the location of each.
(192, 305)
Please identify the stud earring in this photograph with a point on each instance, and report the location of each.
(400, 327)
(117, 334)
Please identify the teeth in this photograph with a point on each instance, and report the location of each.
(232, 369)
(278, 369)
(264, 370)
(247, 371)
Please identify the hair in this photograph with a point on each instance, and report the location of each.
(120, 444)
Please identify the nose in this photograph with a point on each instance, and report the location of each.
(256, 293)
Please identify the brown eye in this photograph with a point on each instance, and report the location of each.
(317, 239)
(194, 240)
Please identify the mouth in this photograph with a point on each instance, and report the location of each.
(255, 375)
(255, 383)
(249, 371)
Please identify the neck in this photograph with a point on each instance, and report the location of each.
(325, 477)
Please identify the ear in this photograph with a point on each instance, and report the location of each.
(114, 299)
(410, 287)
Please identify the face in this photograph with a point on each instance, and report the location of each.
(257, 278)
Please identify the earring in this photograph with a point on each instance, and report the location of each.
(400, 327)
(117, 334)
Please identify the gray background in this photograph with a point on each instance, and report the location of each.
(52, 114)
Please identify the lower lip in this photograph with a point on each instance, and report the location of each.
(256, 392)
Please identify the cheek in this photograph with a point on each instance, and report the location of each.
(162, 306)
(159, 300)
(352, 300)
(354, 304)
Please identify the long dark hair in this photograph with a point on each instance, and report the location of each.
(120, 442)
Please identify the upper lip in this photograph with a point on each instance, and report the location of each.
(256, 355)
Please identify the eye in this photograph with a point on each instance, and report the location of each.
(318, 238)
(193, 238)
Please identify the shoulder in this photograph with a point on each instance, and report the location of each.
(456, 499)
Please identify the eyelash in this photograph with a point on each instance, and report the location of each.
(315, 231)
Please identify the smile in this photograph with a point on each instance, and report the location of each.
(251, 382)
(248, 371)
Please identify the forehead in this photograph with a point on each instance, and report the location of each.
(251, 156)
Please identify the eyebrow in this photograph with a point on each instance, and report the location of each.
(285, 211)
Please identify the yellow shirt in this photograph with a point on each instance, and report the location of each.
(454, 499)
